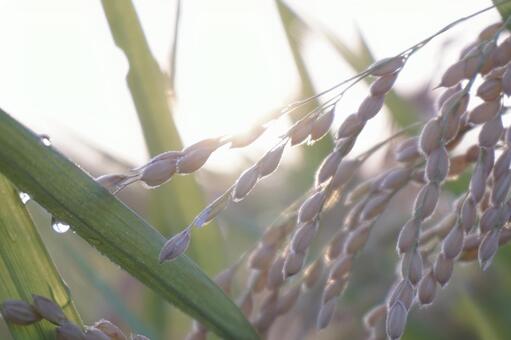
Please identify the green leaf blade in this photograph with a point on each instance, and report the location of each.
(104, 222)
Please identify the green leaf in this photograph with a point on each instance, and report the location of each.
(26, 268)
(99, 218)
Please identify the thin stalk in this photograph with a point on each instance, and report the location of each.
(173, 51)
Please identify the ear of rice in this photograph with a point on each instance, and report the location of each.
(383, 84)
(326, 313)
(322, 124)
(72, 331)
(49, 310)
(386, 66)
(370, 107)
(351, 126)
(19, 312)
(426, 289)
(175, 246)
(396, 320)
(443, 269)
(245, 183)
(453, 243)
(488, 248)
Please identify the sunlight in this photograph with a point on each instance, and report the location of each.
(229, 78)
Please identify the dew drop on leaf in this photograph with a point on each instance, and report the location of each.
(45, 139)
(59, 226)
(24, 197)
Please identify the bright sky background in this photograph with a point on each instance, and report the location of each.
(61, 74)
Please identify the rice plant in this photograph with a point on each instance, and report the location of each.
(438, 200)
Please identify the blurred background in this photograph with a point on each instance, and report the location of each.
(227, 65)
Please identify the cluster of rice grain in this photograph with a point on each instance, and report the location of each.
(335, 171)
(427, 258)
(463, 221)
(433, 140)
(498, 213)
(309, 129)
(266, 264)
(22, 313)
(353, 235)
(419, 276)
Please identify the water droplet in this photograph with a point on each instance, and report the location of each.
(24, 197)
(59, 226)
(45, 139)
